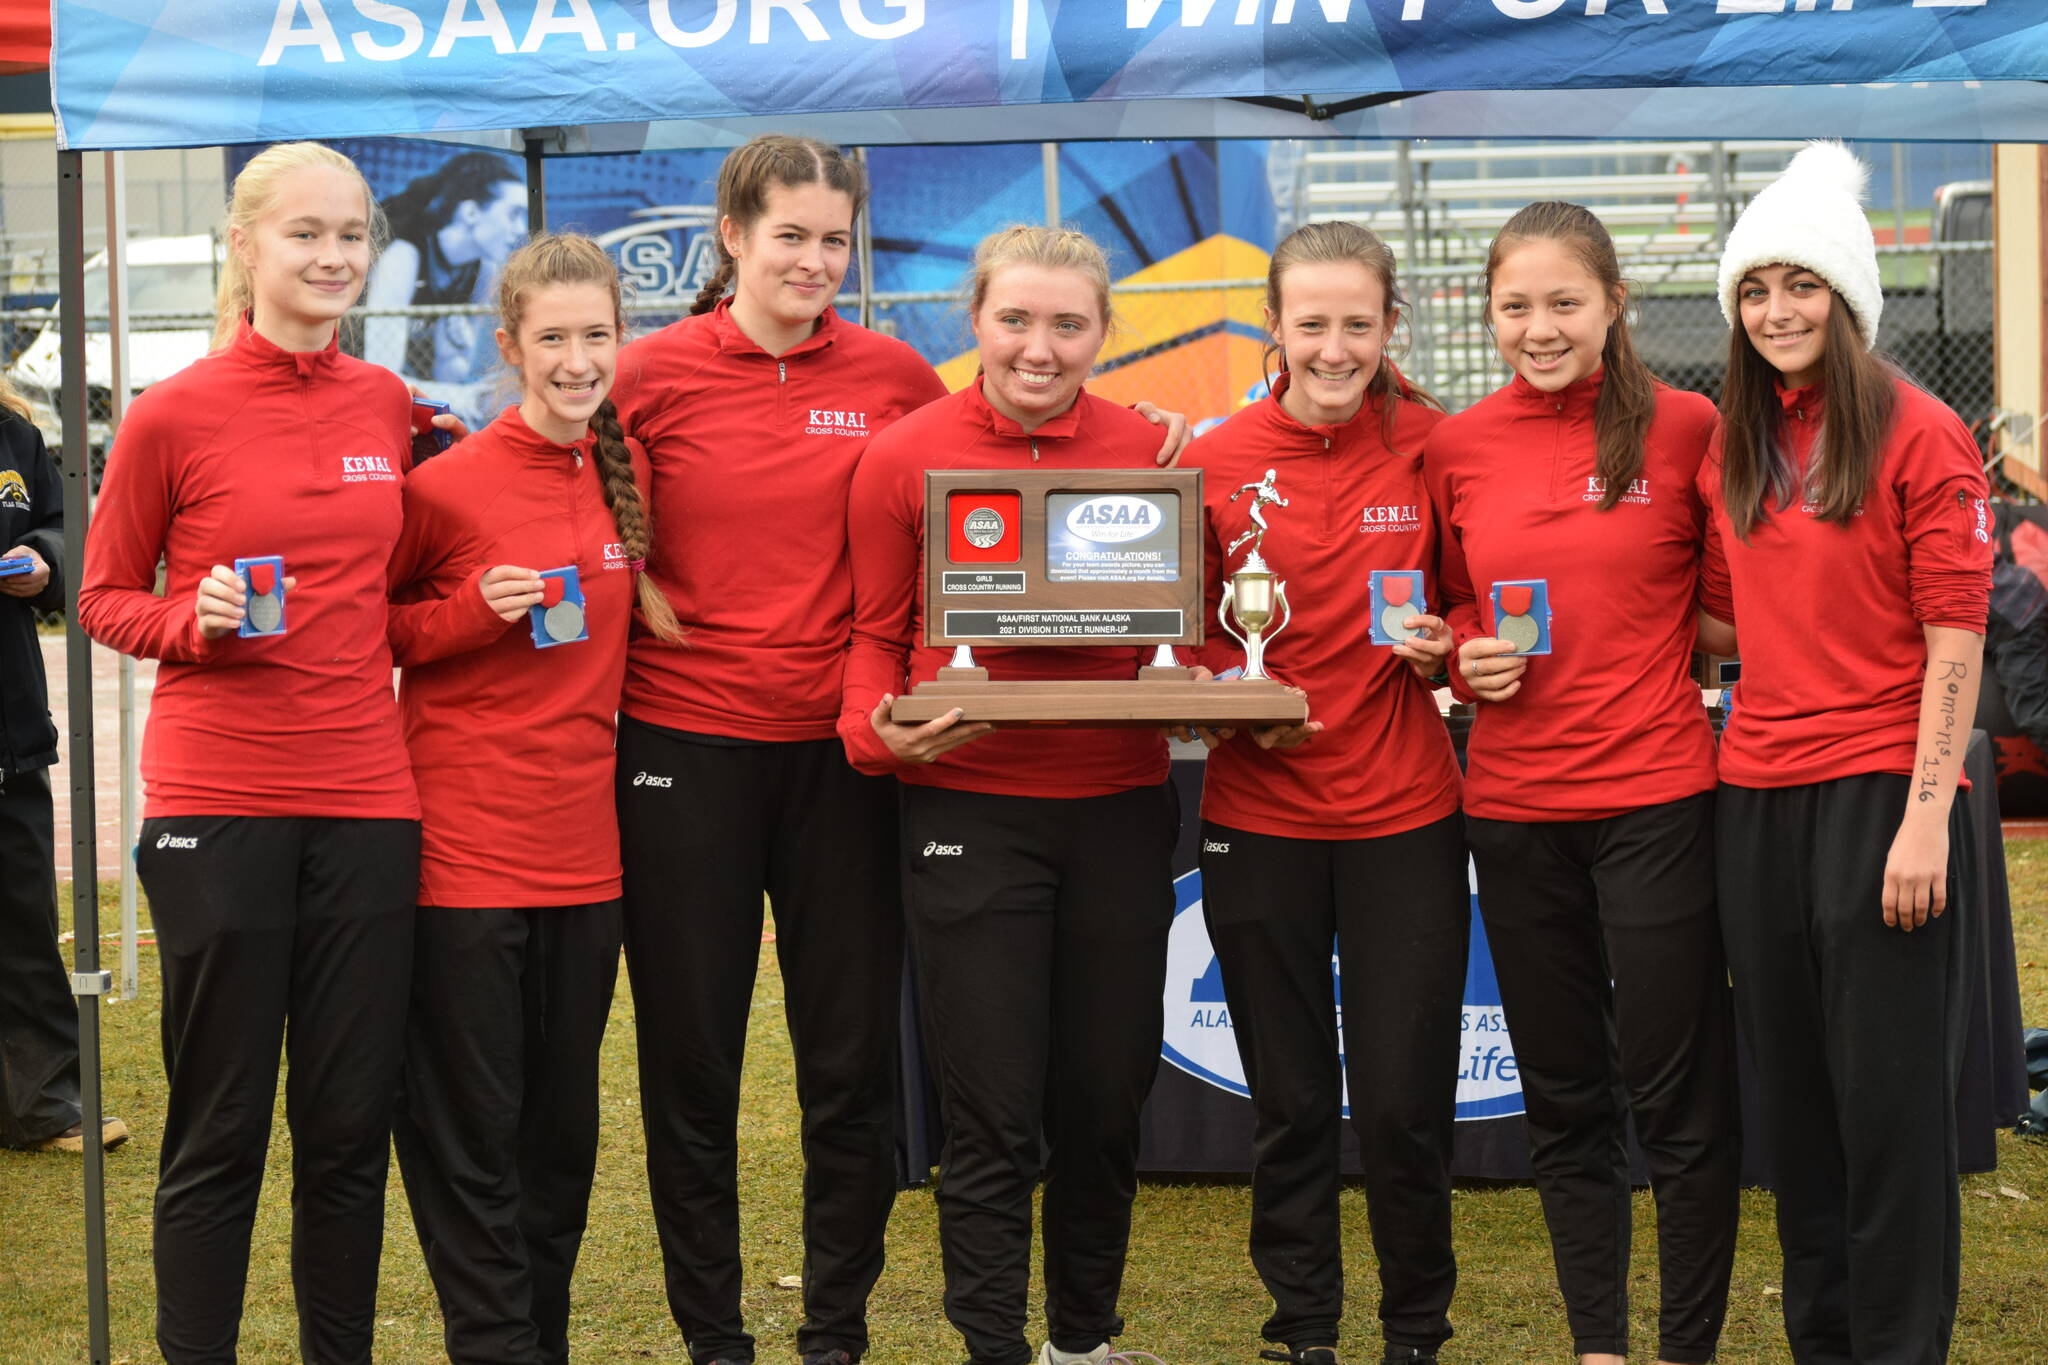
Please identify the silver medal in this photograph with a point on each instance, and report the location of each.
(982, 528)
(1520, 631)
(1391, 618)
(265, 611)
(563, 621)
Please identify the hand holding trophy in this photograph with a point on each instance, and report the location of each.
(1023, 558)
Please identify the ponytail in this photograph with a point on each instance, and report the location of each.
(720, 281)
(622, 495)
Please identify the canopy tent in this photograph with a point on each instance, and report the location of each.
(574, 76)
(24, 38)
(868, 72)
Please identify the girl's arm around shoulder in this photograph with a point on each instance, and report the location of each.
(441, 602)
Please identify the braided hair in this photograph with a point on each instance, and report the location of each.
(570, 258)
(745, 179)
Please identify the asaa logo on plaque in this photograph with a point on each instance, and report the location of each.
(1201, 1041)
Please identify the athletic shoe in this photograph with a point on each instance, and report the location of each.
(835, 1356)
(113, 1133)
(1307, 1355)
(1131, 1358)
(1407, 1355)
(1098, 1356)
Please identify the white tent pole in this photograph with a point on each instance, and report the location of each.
(117, 389)
(1050, 153)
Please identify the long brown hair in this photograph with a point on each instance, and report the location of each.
(1628, 391)
(747, 175)
(1339, 241)
(1857, 403)
(254, 193)
(569, 258)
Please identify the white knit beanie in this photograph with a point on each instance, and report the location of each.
(1811, 216)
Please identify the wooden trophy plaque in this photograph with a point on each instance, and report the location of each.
(1030, 557)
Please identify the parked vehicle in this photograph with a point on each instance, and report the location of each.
(170, 305)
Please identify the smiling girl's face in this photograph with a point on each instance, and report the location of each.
(1550, 315)
(566, 353)
(1332, 328)
(308, 256)
(1784, 309)
(1039, 329)
(793, 258)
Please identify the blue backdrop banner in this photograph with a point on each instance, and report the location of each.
(138, 73)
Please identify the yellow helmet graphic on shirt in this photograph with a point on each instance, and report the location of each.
(12, 486)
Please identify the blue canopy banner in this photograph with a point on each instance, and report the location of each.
(144, 73)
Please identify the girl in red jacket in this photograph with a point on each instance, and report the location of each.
(754, 411)
(280, 840)
(1589, 777)
(510, 728)
(1039, 882)
(1352, 832)
(1851, 548)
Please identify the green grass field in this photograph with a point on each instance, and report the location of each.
(1190, 1295)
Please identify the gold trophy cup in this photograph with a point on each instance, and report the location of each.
(1253, 592)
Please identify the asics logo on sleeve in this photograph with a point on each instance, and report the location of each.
(177, 841)
(938, 850)
(1215, 846)
(647, 779)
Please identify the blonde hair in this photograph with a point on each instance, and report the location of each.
(13, 401)
(570, 258)
(1048, 247)
(255, 194)
(1338, 242)
(755, 167)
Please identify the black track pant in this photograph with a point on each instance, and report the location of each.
(1039, 927)
(706, 829)
(261, 923)
(1608, 952)
(1400, 914)
(38, 1017)
(1857, 1032)
(497, 1126)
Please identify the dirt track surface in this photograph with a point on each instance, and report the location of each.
(106, 719)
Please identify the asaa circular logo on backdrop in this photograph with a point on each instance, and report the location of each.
(1201, 1041)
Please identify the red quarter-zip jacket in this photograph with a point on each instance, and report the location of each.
(885, 530)
(752, 458)
(1829, 617)
(511, 744)
(1384, 762)
(1610, 721)
(260, 451)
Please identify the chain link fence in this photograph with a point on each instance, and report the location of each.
(1198, 347)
